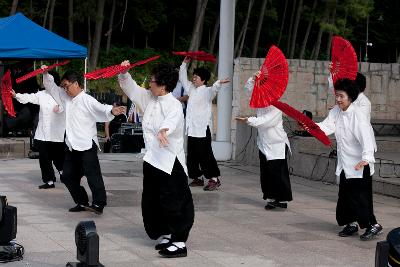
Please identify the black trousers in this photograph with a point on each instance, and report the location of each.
(200, 157)
(167, 204)
(49, 153)
(355, 202)
(84, 163)
(274, 177)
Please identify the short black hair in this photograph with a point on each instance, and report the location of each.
(72, 76)
(56, 77)
(203, 73)
(361, 82)
(348, 86)
(165, 74)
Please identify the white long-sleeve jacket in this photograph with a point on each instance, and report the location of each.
(355, 139)
(159, 113)
(198, 111)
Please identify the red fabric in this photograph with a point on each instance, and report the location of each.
(344, 60)
(39, 71)
(111, 71)
(197, 55)
(6, 96)
(311, 127)
(271, 83)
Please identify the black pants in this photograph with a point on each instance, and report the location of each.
(49, 153)
(200, 157)
(275, 181)
(84, 163)
(355, 202)
(167, 205)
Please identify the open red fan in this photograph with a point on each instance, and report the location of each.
(40, 70)
(310, 126)
(344, 60)
(111, 71)
(197, 55)
(6, 96)
(272, 80)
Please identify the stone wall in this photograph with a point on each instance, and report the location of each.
(308, 89)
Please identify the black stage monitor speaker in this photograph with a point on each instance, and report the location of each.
(87, 245)
(381, 254)
(393, 238)
(8, 222)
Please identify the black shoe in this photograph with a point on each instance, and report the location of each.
(372, 232)
(95, 208)
(276, 204)
(348, 230)
(179, 252)
(46, 186)
(78, 208)
(161, 246)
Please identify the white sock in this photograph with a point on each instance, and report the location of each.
(270, 200)
(165, 239)
(50, 182)
(215, 179)
(175, 245)
(353, 224)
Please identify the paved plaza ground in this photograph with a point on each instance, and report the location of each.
(231, 226)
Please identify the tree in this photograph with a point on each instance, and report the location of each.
(198, 25)
(97, 34)
(239, 47)
(291, 26)
(310, 22)
(296, 26)
(317, 46)
(334, 30)
(110, 27)
(71, 20)
(51, 16)
(214, 35)
(14, 6)
(259, 25)
(283, 22)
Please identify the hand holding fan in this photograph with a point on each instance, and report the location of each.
(6, 96)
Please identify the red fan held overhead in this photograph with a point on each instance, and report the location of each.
(116, 69)
(6, 96)
(39, 71)
(197, 55)
(344, 60)
(271, 82)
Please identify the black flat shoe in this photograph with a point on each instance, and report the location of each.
(95, 208)
(46, 186)
(161, 246)
(179, 252)
(77, 208)
(348, 230)
(276, 204)
(372, 232)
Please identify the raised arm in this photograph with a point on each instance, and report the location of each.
(140, 96)
(183, 77)
(55, 91)
(267, 120)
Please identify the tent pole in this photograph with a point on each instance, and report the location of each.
(84, 78)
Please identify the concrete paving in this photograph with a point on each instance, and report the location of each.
(231, 226)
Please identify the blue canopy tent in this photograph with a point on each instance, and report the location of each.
(22, 38)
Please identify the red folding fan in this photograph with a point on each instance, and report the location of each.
(111, 71)
(310, 126)
(272, 80)
(344, 60)
(197, 55)
(40, 70)
(6, 96)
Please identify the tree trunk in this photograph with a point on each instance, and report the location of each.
(89, 41)
(320, 32)
(258, 30)
(290, 26)
(14, 6)
(97, 33)
(173, 35)
(296, 26)
(310, 22)
(214, 35)
(45, 13)
(71, 20)
(332, 21)
(110, 27)
(51, 15)
(31, 9)
(283, 23)
(246, 23)
(200, 11)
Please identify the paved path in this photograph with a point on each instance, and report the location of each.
(231, 226)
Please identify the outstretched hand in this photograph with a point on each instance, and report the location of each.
(187, 59)
(162, 137)
(13, 93)
(43, 67)
(124, 64)
(118, 110)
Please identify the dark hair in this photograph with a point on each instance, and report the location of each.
(348, 86)
(361, 82)
(203, 73)
(165, 74)
(72, 76)
(56, 77)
